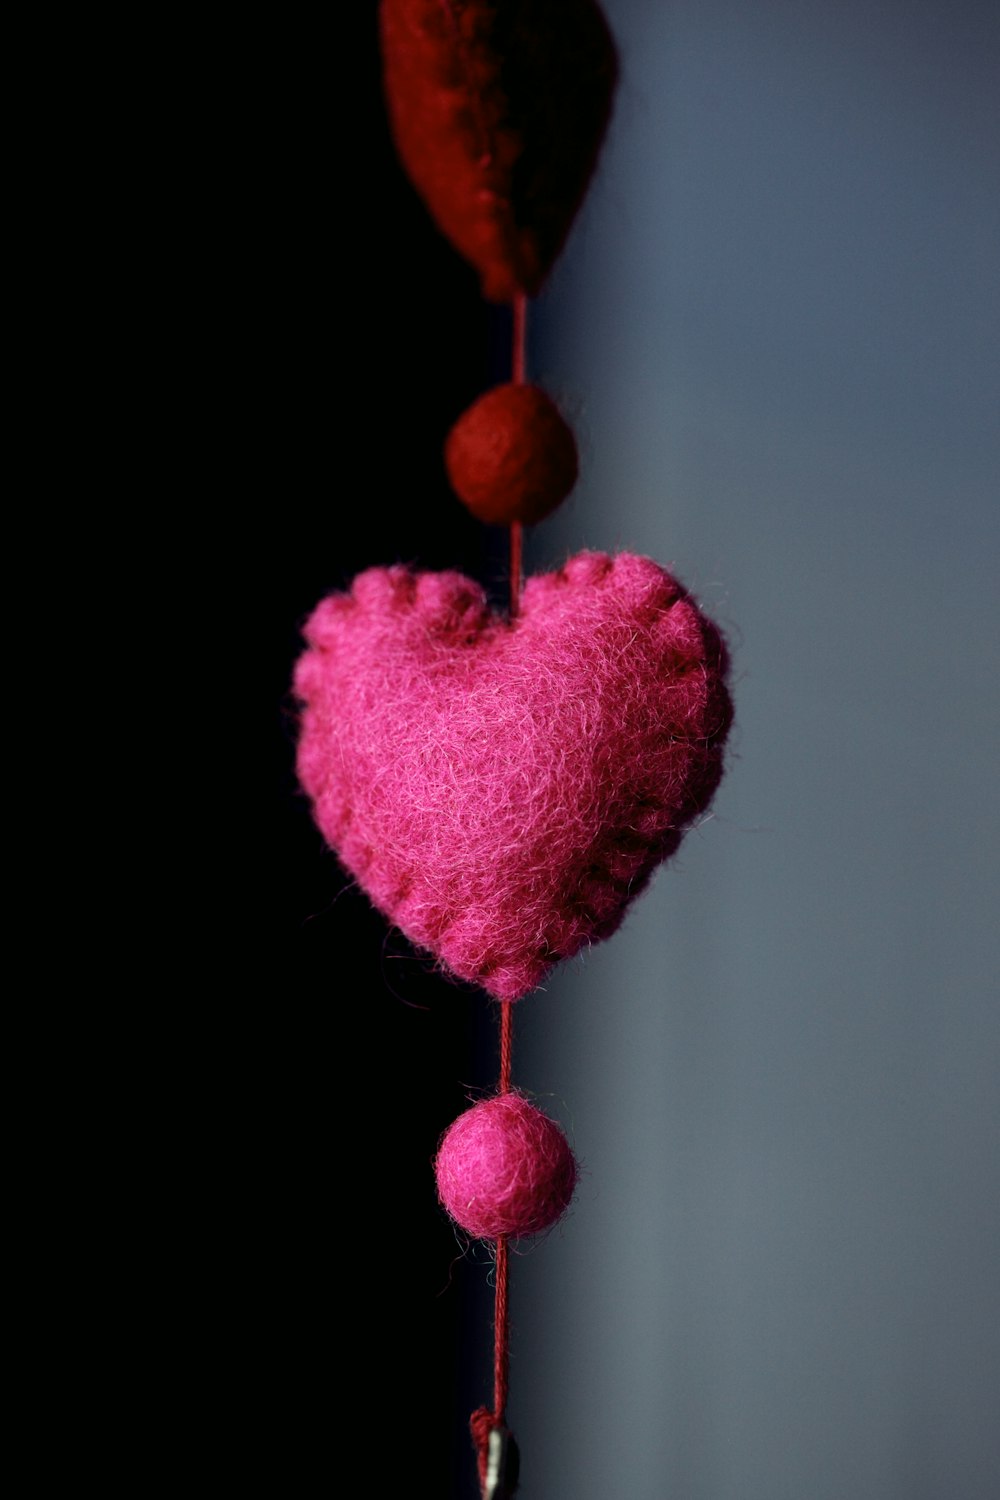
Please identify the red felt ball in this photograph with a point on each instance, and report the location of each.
(504, 1168)
(511, 456)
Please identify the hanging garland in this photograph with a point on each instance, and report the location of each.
(503, 786)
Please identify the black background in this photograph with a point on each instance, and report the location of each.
(379, 1332)
(279, 1299)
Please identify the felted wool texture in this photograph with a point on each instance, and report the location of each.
(511, 456)
(504, 1167)
(502, 790)
(498, 109)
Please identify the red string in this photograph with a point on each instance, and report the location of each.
(519, 360)
(501, 1321)
(506, 1044)
(518, 376)
(515, 568)
(501, 1346)
(483, 1420)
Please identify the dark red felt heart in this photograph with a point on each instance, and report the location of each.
(498, 109)
(503, 790)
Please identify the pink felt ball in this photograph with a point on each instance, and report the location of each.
(504, 1168)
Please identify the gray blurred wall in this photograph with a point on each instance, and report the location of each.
(776, 330)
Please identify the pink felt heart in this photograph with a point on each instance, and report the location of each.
(503, 790)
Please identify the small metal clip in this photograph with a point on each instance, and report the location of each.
(502, 1465)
